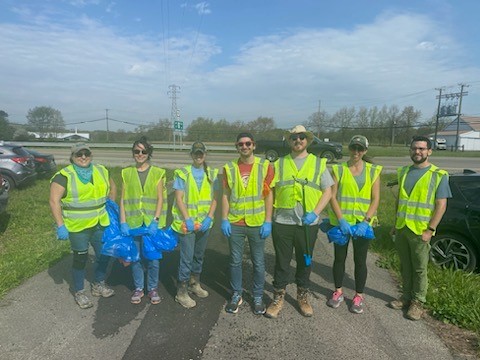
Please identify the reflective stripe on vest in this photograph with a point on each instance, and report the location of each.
(197, 201)
(353, 202)
(247, 202)
(140, 203)
(84, 204)
(416, 210)
(288, 191)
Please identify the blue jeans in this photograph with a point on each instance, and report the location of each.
(192, 252)
(138, 269)
(79, 242)
(257, 252)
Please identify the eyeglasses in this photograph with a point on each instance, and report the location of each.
(294, 137)
(418, 148)
(246, 143)
(144, 152)
(357, 148)
(85, 153)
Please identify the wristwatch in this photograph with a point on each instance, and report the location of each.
(431, 229)
(156, 218)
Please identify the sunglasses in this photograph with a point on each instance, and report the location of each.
(85, 153)
(294, 137)
(144, 152)
(357, 148)
(246, 143)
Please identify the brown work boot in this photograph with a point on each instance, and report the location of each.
(415, 311)
(276, 305)
(182, 296)
(399, 304)
(302, 298)
(195, 287)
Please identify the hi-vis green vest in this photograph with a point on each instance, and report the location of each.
(416, 210)
(247, 203)
(353, 201)
(140, 204)
(288, 191)
(197, 201)
(83, 206)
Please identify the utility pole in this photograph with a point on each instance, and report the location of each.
(439, 97)
(174, 113)
(106, 118)
(459, 113)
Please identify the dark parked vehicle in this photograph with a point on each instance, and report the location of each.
(3, 195)
(273, 149)
(16, 165)
(45, 165)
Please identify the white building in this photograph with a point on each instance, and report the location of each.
(468, 133)
(70, 136)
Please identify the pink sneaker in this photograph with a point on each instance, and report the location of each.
(357, 304)
(335, 300)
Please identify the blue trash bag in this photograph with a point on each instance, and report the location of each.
(336, 236)
(122, 248)
(369, 235)
(164, 240)
(149, 251)
(112, 230)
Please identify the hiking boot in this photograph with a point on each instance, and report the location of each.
(137, 296)
(399, 304)
(415, 311)
(302, 298)
(358, 305)
(101, 289)
(258, 305)
(82, 300)
(154, 298)
(195, 287)
(276, 305)
(235, 302)
(182, 296)
(336, 299)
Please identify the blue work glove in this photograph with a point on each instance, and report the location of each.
(190, 225)
(345, 227)
(309, 218)
(125, 229)
(153, 228)
(206, 224)
(265, 229)
(226, 228)
(62, 233)
(361, 230)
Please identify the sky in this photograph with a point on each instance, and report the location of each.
(233, 60)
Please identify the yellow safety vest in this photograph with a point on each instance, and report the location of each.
(416, 210)
(140, 203)
(83, 206)
(353, 202)
(247, 202)
(288, 191)
(197, 202)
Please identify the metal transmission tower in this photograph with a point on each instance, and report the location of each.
(175, 115)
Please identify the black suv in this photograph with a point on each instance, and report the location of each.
(457, 241)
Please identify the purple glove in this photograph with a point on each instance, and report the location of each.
(190, 225)
(361, 230)
(153, 228)
(62, 233)
(226, 228)
(345, 227)
(265, 230)
(125, 229)
(206, 223)
(309, 218)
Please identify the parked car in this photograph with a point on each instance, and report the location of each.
(441, 144)
(273, 149)
(16, 165)
(3, 195)
(45, 165)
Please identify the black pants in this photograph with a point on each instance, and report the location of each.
(285, 239)
(360, 251)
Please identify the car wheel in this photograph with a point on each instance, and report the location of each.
(328, 155)
(271, 155)
(9, 183)
(453, 251)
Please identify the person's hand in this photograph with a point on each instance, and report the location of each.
(226, 228)
(62, 232)
(153, 228)
(125, 229)
(309, 218)
(206, 223)
(265, 229)
(345, 227)
(361, 230)
(190, 225)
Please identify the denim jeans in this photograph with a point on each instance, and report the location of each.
(192, 252)
(79, 241)
(257, 252)
(138, 269)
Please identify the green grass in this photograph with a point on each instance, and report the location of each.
(28, 246)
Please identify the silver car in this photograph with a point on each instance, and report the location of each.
(16, 165)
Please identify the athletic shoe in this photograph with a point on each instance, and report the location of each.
(154, 298)
(82, 300)
(357, 304)
(336, 299)
(258, 306)
(137, 296)
(100, 289)
(235, 302)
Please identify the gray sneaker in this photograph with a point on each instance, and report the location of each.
(357, 305)
(235, 302)
(82, 300)
(336, 299)
(101, 289)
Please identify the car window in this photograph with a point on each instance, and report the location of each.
(471, 190)
(20, 151)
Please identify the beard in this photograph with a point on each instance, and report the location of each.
(418, 159)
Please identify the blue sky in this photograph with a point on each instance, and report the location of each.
(233, 60)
